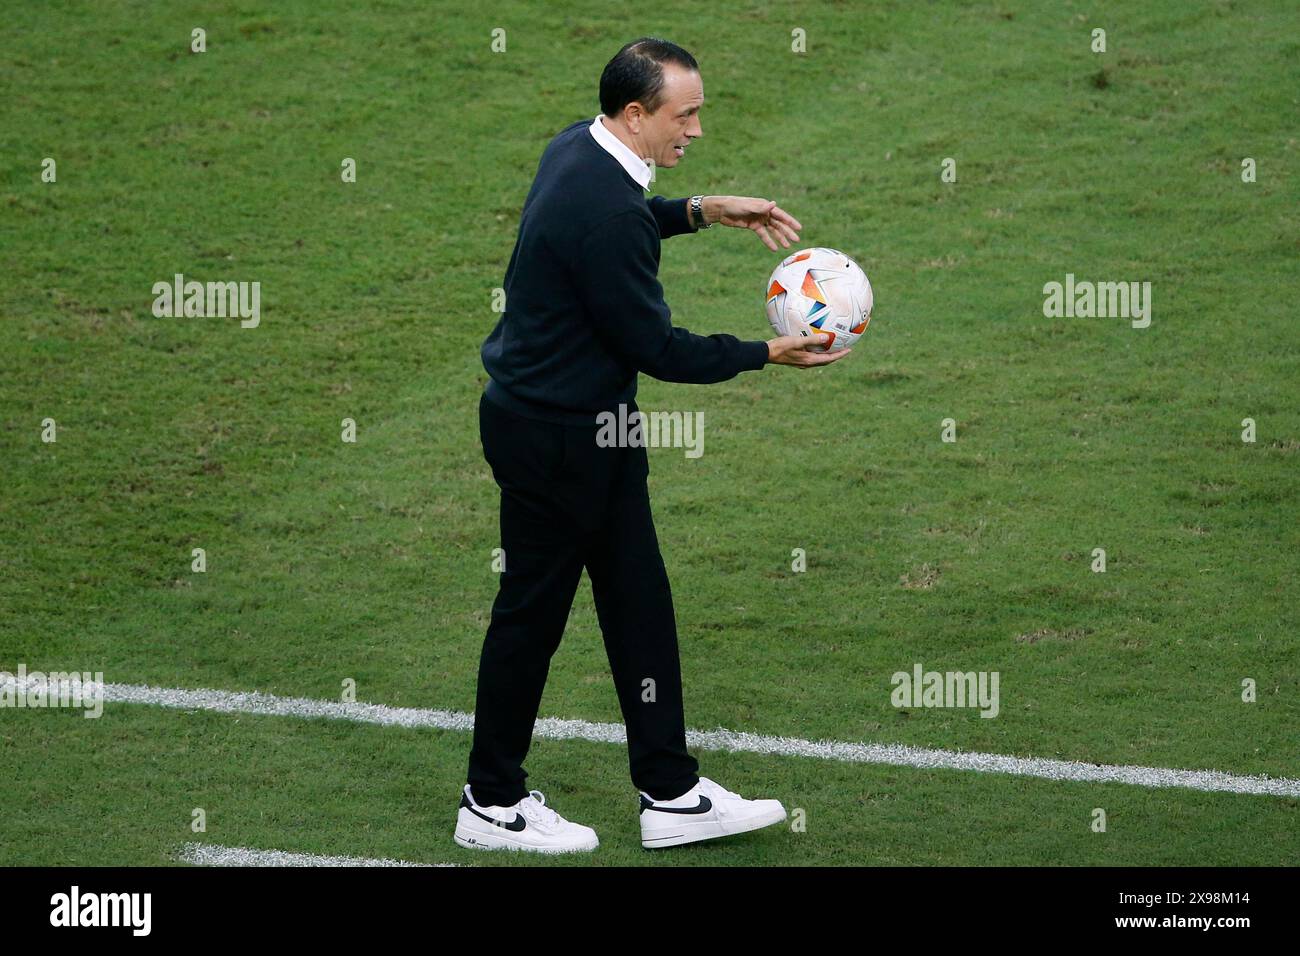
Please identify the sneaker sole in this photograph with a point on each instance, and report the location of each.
(475, 840)
(709, 830)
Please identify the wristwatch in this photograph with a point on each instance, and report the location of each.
(697, 212)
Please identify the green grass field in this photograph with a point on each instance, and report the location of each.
(371, 561)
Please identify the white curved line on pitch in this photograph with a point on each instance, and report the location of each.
(210, 854)
(553, 728)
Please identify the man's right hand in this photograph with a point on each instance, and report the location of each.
(794, 350)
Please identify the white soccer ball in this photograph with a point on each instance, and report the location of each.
(820, 290)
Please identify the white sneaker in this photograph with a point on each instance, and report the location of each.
(704, 812)
(529, 825)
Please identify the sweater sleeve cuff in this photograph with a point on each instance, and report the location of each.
(754, 356)
(672, 216)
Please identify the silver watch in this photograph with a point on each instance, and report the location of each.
(697, 212)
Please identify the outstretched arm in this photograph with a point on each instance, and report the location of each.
(618, 276)
(763, 216)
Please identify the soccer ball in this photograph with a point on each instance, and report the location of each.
(820, 290)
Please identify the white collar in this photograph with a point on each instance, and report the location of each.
(636, 166)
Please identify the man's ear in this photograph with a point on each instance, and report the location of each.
(633, 114)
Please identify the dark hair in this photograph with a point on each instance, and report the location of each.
(637, 74)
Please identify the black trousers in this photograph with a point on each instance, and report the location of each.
(566, 504)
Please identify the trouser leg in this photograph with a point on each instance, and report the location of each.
(635, 607)
(543, 563)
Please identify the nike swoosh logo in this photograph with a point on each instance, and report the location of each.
(514, 826)
(704, 806)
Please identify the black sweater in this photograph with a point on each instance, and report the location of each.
(584, 308)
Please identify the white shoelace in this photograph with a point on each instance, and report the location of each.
(537, 811)
(721, 797)
(712, 789)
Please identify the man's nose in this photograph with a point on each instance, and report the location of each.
(695, 130)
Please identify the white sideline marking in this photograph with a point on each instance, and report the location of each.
(554, 728)
(210, 854)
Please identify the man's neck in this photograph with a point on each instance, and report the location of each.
(621, 133)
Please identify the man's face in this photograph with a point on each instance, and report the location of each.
(670, 128)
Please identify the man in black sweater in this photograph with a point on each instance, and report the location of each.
(584, 315)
